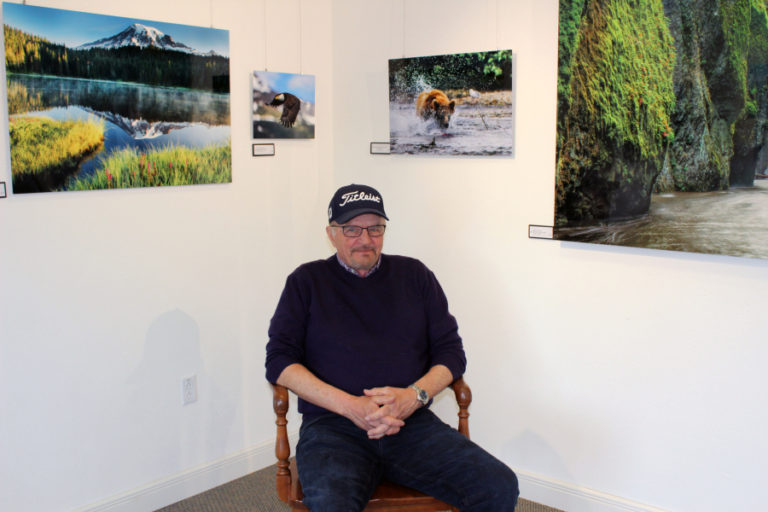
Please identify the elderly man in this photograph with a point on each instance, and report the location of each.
(365, 340)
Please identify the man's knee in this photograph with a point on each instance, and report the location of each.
(333, 500)
(509, 489)
(505, 487)
(496, 490)
(338, 487)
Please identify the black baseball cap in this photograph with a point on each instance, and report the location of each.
(352, 200)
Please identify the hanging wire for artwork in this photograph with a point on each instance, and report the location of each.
(402, 4)
(301, 33)
(497, 25)
(264, 31)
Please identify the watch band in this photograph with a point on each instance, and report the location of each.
(421, 395)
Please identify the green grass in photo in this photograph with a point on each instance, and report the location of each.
(172, 166)
(40, 146)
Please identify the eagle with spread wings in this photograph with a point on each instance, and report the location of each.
(291, 105)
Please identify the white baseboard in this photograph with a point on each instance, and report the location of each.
(189, 483)
(573, 498)
(533, 487)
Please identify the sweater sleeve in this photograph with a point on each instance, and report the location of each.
(287, 329)
(445, 343)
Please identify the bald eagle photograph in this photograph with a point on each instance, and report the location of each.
(283, 105)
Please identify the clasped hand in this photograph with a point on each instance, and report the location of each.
(382, 411)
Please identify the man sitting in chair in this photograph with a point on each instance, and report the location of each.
(365, 340)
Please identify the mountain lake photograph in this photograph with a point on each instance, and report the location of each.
(104, 102)
(662, 125)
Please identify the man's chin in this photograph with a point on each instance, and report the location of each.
(363, 263)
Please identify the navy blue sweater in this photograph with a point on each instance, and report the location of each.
(387, 329)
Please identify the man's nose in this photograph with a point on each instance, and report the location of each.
(367, 236)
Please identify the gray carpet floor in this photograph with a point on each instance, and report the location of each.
(256, 493)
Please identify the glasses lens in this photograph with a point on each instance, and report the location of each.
(376, 230)
(352, 231)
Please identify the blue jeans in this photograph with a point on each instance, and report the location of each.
(339, 467)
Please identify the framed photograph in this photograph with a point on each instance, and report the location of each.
(662, 127)
(3, 192)
(459, 104)
(283, 106)
(102, 102)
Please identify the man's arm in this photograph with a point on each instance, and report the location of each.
(306, 385)
(402, 402)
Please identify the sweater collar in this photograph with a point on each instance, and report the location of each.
(353, 271)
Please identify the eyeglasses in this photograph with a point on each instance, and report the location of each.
(356, 231)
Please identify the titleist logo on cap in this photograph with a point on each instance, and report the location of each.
(351, 197)
(352, 200)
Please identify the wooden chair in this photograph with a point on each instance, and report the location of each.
(388, 497)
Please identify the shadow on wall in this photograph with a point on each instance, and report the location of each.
(174, 436)
(529, 446)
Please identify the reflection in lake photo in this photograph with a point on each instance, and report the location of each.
(135, 116)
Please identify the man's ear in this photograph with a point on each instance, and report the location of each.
(330, 237)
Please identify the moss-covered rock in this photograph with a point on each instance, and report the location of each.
(613, 114)
(710, 91)
(750, 138)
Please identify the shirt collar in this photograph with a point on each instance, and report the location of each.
(353, 271)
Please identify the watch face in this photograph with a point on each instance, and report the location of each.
(423, 398)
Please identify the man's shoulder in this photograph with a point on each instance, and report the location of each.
(405, 264)
(403, 261)
(313, 267)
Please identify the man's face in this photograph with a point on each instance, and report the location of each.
(360, 253)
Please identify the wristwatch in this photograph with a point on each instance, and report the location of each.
(421, 395)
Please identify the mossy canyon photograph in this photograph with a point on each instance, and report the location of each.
(662, 125)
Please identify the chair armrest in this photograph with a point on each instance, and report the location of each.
(463, 398)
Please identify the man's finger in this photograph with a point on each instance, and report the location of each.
(392, 421)
(378, 432)
(382, 400)
(377, 392)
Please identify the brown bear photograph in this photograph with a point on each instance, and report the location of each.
(458, 104)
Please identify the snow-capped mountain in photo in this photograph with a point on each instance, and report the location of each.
(141, 36)
(140, 129)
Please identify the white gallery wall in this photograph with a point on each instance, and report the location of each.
(609, 378)
(109, 299)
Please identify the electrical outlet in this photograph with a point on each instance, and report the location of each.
(189, 390)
